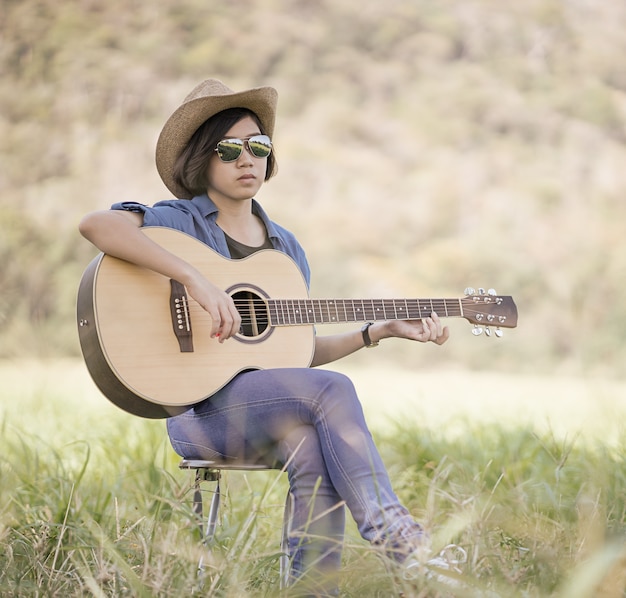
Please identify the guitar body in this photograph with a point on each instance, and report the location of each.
(126, 330)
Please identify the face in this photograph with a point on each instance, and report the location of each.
(241, 179)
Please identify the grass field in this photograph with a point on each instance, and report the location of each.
(525, 473)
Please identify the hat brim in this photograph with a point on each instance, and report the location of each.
(188, 117)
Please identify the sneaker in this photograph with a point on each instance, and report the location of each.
(439, 567)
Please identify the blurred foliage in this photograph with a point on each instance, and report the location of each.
(423, 146)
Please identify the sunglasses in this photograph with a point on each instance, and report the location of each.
(229, 150)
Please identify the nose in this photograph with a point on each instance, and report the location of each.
(246, 156)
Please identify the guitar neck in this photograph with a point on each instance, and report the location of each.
(289, 312)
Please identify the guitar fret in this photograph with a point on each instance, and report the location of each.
(358, 310)
(292, 312)
(307, 310)
(285, 305)
(410, 309)
(369, 309)
(303, 311)
(297, 312)
(388, 305)
(318, 311)
(407, 310)
(365, 313)
(332, 304)
(273, 312)
(379, 309)
(282, 311)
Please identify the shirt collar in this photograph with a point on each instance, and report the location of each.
(209, 210)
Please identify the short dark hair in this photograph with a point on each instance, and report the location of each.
(191, 167)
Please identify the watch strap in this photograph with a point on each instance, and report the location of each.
(367, 341)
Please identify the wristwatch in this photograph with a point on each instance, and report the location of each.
(366, 336)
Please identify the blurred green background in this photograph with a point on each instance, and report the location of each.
(423, 146)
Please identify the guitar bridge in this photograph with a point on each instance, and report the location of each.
(181, 320)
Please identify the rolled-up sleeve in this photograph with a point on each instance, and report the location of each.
(163, 216)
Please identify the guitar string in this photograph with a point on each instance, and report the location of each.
(359, 303)
(260, 309)
(333, 304)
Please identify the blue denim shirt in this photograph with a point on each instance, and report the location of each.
(198, 217)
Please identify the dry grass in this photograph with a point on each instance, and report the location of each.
(525, 473)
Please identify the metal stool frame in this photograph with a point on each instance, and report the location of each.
(211, 471)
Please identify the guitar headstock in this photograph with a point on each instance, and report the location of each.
(485, 309)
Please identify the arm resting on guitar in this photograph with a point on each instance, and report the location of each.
(118, 234)
(333, 347)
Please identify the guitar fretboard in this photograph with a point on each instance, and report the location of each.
(289, 312)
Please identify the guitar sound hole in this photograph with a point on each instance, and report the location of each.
(253, 312)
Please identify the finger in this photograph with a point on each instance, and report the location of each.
(216, 322)
(430, 329)
(233, 325)
(438, 325)
(220, 326)
(225, 329)
(422, 332)
(445, 335)
(230, 321)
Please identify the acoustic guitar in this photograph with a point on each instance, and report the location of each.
(147, 345)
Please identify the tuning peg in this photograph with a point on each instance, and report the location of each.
(469, 291)
(492, 292)
(488, 331)
(477, 330)
(499, 332)
(481, 291)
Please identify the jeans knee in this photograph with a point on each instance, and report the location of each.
(339, 394)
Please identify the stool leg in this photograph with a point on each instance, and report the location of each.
(213, 511)
(284, 541)
(206, 475)
(197, 501)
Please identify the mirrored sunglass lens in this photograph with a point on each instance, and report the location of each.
(260, 146)
(229, 149)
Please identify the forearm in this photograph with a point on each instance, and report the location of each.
(334, 347)
(331, 348)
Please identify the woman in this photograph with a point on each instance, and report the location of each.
(216, 150)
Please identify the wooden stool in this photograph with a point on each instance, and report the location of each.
(211, 471)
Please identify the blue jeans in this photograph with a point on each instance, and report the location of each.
(311, 420)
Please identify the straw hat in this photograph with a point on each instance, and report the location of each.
(206, 99)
